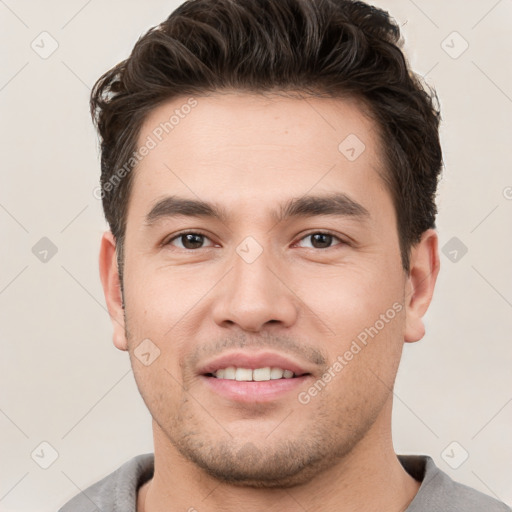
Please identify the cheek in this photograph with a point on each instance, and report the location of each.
(348, 299)
(363, 309)
(162, 305)
(159, 298)
(160, 388)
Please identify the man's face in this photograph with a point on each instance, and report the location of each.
(276, 281)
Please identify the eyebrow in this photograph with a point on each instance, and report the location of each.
(338, 204)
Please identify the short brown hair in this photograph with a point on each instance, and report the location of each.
(318, 47)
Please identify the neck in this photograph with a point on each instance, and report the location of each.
(370, 477)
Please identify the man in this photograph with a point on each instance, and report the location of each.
(269, 170)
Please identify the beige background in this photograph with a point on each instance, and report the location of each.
(62, 380)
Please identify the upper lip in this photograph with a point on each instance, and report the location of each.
(253, 361)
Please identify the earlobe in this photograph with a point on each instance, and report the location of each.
(109, 275)
(424, 268)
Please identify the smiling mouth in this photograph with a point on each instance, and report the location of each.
(266, 373)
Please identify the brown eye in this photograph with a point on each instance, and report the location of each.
(189, 241)
(320, 240)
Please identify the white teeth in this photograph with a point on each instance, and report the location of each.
(276, 373)
(229, 373)
(243, 374)
(261, 374)
(257, 375)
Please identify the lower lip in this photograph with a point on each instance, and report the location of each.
(244, 391)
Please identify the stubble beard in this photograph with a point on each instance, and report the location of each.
(278, 463)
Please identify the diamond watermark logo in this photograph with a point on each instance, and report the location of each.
(455, 455)
(147, 352)
(44, 250)
(44, 45)
(454, 45)
(454, 249)
(351, 147)
(249, 249)
(44, 455)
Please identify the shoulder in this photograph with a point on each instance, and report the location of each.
(439, 493)
(116, 489)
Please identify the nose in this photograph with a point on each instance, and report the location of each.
(254, 294)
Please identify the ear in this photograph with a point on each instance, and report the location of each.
(109, 274)
(424, 268)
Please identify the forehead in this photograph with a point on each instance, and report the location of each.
(246, 149)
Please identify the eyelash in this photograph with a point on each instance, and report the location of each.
(334, 236)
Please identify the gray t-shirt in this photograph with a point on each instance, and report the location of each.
(117, 492)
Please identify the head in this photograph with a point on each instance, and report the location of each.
(293, 144)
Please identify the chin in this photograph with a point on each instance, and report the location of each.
(290, 464)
